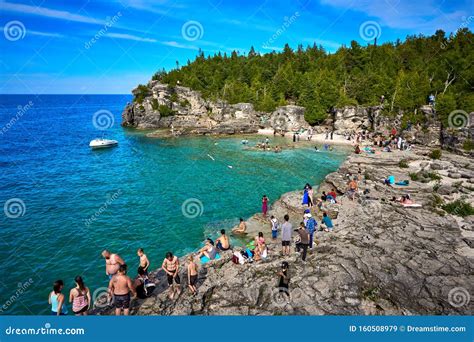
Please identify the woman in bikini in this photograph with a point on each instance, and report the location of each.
(80, 297)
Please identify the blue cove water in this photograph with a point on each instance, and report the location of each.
(78, 201)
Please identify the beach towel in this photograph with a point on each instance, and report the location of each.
(403, 183)
(205, 259)
(391, 179)
(412, 205)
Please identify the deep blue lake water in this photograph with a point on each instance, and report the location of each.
(64, 203)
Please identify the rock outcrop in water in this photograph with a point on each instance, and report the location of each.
(186, 112)
(381, 259)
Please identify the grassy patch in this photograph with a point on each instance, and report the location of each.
(459, 208)
(435, 154)
(403, 164)
(165, 111)
(414, 176)
(468, 145)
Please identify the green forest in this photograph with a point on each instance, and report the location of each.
(405, 73)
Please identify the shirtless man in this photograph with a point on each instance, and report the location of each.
(120, 287)
(112, 263)
(352, 189)
(222, 242)
(192, 275)
(241, 229)
(171, 267)
(144, 262)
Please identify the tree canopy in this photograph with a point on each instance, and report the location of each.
(406, 73)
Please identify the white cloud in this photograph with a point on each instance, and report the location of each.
(420, 15)
(179, 45)
(47, 12)
(130, 37)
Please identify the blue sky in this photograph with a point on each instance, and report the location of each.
(48, 47)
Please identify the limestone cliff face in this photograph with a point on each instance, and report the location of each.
(187, 112)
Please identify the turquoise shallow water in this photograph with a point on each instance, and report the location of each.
(78, 202)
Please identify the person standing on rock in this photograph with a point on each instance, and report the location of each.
(274, 226)
(304, 241)
(310, 227)
(192, 275)
(112, 263)
(171, 267)
(286, 230)
(120, 287)
(264, 205)
(284, 280)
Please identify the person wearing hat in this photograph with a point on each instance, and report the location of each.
(311, 225)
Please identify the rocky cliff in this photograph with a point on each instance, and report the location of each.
(382, 258)
(186, 112)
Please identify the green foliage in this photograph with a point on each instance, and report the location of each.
(403, 164)
(414, 176)
(459, 208)
(140, 93)
(174, 97)
(468, 145)
(155, 105)
(405, 72)
(435, 154)
(433, 176)
(165, 111)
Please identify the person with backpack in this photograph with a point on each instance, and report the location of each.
(303, 241)
(80, 297)
(143, 285)
(274, 226)
(311, 225)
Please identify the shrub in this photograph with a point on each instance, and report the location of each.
(468, 145)
(403, 164)
(433, 176)
(165, 111)
(140, 93)
(155, 105)
(414, 176)
(435, 154)
(459, 208)
(437, 200)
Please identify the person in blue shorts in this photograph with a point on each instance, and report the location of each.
(274, 223)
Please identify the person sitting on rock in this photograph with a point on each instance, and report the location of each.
(241, 228)
(222, 242)
(327, 222)
(357, 149)
(208, 250)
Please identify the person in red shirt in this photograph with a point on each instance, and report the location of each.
(394, 131)
(333, 194)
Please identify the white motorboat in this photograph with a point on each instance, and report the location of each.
(103, 143)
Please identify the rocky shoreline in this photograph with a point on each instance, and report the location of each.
(382, 258)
